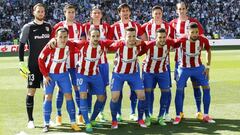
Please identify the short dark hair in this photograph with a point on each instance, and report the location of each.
(124, 5)
(130, 29)
(62, 29)
(157, 7)
(69, 6)
(182, 2)
(93, 29)
(38, 5)
(193, 25)
(161, 30)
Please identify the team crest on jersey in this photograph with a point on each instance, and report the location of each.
(47, 28)
(76, 31)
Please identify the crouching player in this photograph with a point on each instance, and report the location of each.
(125, 69)
(191, 66)
(155, 71)
(52, 64)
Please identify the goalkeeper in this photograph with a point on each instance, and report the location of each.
(36, 34)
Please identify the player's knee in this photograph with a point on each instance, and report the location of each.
(75, 88)
(195, 85)
(48, 97)
(83, 95)
(148, 90)
(141, 95)
(205, 87)
(31, 91)
(115, 97)
(101, 98)
(68, 96)
(165, 90)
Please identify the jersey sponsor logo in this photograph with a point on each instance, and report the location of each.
(43, 36)
(92, 59)
(158, 58)
(129, 60)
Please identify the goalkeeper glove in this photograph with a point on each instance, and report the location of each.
(23, 70)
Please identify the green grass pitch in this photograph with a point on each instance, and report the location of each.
(225, 103)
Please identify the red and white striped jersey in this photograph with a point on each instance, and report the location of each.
(90, 56)
(53, 60)
(191, 51)
(104, 34)
(126, 58)
(74, 33)
(151, 27)
(180, 28)
(118, 29)
(156, 57)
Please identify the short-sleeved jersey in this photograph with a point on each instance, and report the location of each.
(75, 31)
(156, 57)
(36, 36)
(118, 29)
(151, 27)
(89, 56)
(191, 51)
(126, 58)
(180, 28)
(104, 29)
(53, 60)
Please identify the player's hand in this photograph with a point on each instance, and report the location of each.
(47, 80)
(52, 43)
(206, 72)
(23, 69)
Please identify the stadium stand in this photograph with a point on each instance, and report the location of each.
(218, 17)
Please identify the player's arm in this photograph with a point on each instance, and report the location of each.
(23, 39)
(141, 32)
(42, 66)
(144, 47)
(208, 56)
(24, 71)
(41, 60)
(114, 46)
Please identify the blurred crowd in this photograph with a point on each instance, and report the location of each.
(217, 16)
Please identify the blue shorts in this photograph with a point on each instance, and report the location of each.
(73, 76)
(196, 73)
(176, 75)
(104, 71)
(133, 80)
(150, 80)
(62, 80)
(93, 83)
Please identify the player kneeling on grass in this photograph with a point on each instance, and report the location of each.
(155, 71)
(191, 65)
(125, 69)
(52, 64)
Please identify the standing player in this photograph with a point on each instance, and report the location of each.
(52, 64)
(125, 69)
(104, 28)
(191, 66)
(36, 34)
(150, 29)
(88, 75)
(75, 32)
(155, 71)
(180, 26)
(118, 32)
